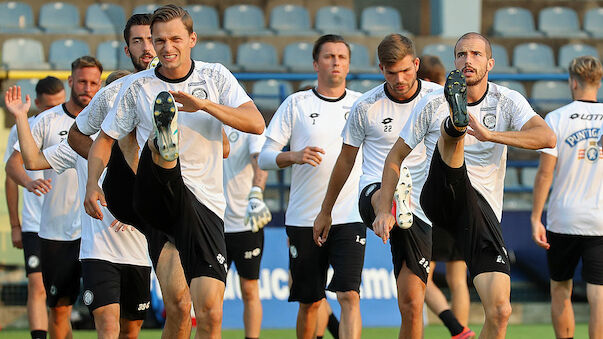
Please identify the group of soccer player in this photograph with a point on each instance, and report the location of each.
(170, 166)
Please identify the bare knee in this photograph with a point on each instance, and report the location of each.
(561, 289)
(348, 299)
(499, 313)
(209, 317)
(309, 307)
(411, 307)
(250, 291)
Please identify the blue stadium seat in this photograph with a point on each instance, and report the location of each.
(245, 20)
(444, 51)
(360, 62)
(381, 20)
(363, 86)
(105, 18)
(514, 22)
(28, 87)
(514, 85)
(16, 17)
(213, 51)
(15, 57)
(124, 61)
(570, 51)
(501, 60)
(143, 9)
(108, 52)
(205, 19)
(60, 18)
(291, 20)
(534, 58)
(593, 22)
(268, 94)
(560, 22)
(297, 57)
(307, 83)
(63, 52)
(336, 20)
(258, 57)
(528, 174)
(549, 95)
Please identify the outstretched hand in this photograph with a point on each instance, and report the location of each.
(12, 99)
(479, 131)
(189, 102)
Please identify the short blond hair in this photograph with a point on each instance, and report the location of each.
(170, 12)
(394, 48)
(587, 70)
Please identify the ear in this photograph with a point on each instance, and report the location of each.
(417, 62)
(490, 64)
(381, 69)
(127, 50)
(70, 81)
(193, 39)
(315, 64)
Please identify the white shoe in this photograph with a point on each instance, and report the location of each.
(165, 117)
(402, 199)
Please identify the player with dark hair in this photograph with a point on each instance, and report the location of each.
(431, 69)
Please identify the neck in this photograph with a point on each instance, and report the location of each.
(330, 92)
(408, 94)
(585, 94)
(178, 72)
(477, 91)
(73, 108)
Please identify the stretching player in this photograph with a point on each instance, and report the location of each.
(310, 121)
(444, 249)
(178, 185)
(470, 209)
(119, 181)
(575, 212)
(374, 123)
(60, 226)
(244, 219)
(49, 93)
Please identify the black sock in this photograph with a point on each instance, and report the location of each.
(250, 338)
(318, 337)
(451, 322)
(38, 334)
(450, 129)
(333, 326)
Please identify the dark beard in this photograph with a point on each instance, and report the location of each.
(138, 66)
(76, 100)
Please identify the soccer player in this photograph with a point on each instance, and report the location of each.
(244, 219)
(178, 185)
(60, 226)
(463, 191)
(374, 123)
(119, 181)
(575, 211)
(49, 93)
(443, 247)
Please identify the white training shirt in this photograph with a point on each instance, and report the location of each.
(576, 202)
(500, 109)
(308, 119)
(238, 177)
(375, 123)
(32, 204)
(99, 239)
(200, 149)
(91, 117)
(60, 217)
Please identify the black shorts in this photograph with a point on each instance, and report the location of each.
(567, 249)
(162, 201)
(32, 252)
(450, 201)
(245, 249)
(61, 270)
(412, 245)
(308, 263)
(118, 187)
(444, 248)
(108, 283)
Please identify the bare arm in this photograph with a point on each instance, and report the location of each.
(12, 201)
(384, 220)
(15, 170)
(98, 158)
(308, 155)
(245, 118)
(339, 176)
(80, 142)
(542, 185)
(259, 176)
(535, 134)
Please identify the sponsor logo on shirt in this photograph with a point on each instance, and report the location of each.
(581, 135)
(313, 116)
(387, 124)
(196, 83)
(254, 253)
(588, 117)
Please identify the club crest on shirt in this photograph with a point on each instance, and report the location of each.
(347, 111)
(233, 136)
(591, 153)
(489, 121)
(200, 93)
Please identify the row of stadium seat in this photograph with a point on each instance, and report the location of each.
(557, 22)
(263, 57)
(239, 20)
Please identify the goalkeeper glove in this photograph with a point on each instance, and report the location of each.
(257, 214)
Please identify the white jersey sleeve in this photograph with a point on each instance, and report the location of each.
(231, 92)
(10, 144)
(91, 117)
(38, 130)
(354, 130)
(61, 157)
(123, 117)
(422, 119)
(256, 142)
(553, 121)
(281, 124)
(522, 112)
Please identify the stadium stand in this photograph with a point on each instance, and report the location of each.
(288, 20)
(63, 52)
(147, 8)
(214, 51)
(307, 83)
(534, 58)
(107, 52)
(501, 57)
(14, 58)
(336, 19)
(245, 20)
(363, 85)
(381, 20)
(593, 22)
(548, 95)
(514, 85)
(205, 19)
(60, 18)
(16, 17)
(105, 18)
(258, 57)
(28, 87)
(444, 51)
(560, 22)
(514, 22)
(297, 57)
(360, 61)
(268, 94)
(571, 51)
